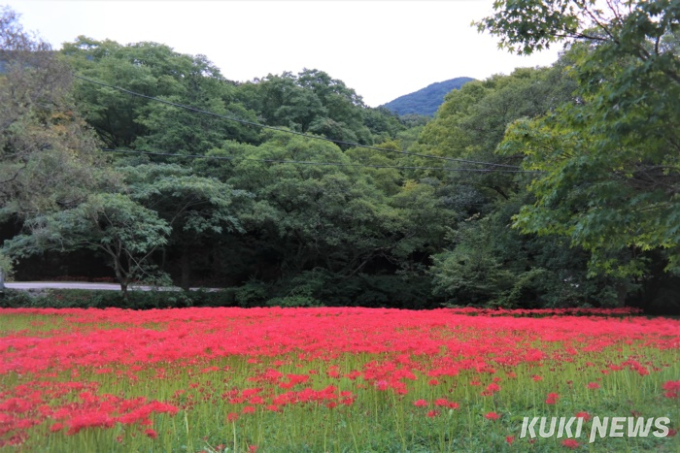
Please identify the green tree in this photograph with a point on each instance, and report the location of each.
(156, 70)
(310, 101)
(610, 160)
(113, 224)
(198, 209)
(48, 157)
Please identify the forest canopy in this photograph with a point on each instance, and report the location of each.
(547, 187)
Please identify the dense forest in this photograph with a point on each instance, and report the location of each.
(548, 187)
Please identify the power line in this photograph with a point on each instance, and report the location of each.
(302, 162)
(302, 134)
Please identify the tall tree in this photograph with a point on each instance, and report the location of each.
(156, 70)
(611, 174)
(310, 101)
(48, 156)
(198, 209)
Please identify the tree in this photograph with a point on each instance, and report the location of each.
(125, 121)
(611, 174)
(198, 209)
(123, 230)
(48, 156)
(310, 101)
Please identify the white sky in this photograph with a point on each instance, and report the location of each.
(382, 49)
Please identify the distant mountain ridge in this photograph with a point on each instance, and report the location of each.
(427, 100)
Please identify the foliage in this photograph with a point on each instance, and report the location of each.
(579, 157)
(113, 224)
(47, 153)
(134, 300)
(609, 161)
(124, 121)
(197, 209)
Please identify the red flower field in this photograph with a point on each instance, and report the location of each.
(328, 379)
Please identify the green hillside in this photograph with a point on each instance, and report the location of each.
(427, 100)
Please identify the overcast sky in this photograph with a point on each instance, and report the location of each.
(382, 49)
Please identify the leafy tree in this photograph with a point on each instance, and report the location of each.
(123, 230)
(310, 228)
(610, 160)
(198, 209)
(125, 121)
(485, 261)
(310, 101)
(48, 156)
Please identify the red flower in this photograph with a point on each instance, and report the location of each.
(672, 389)
(432, 414)
(510, 439)
(232, 417)
(552, 398)
(537, 378)
(420, 403)
(493, 388)
(151, 433)
(584, 415)
(593, 385)
(492, 416)
(570, 443)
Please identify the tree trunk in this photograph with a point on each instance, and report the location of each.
(2, 280)
(120, 276)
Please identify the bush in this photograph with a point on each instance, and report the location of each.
(294, 301)
(11, 298)
(137, 300)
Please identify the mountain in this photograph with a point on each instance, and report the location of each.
(427, 100)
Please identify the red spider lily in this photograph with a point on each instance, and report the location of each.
(552, 398)
(672, 389)
(430, 347)
(570, 443)
(492, 416)
(584, 415)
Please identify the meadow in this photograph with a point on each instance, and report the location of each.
(331, 379)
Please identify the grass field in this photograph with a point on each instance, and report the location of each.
(332, 380)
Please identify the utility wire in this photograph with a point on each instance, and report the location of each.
(302, 162)
(302, 134)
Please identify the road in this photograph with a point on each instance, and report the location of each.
(90, 286)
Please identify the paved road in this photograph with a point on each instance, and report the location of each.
(90, 286)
